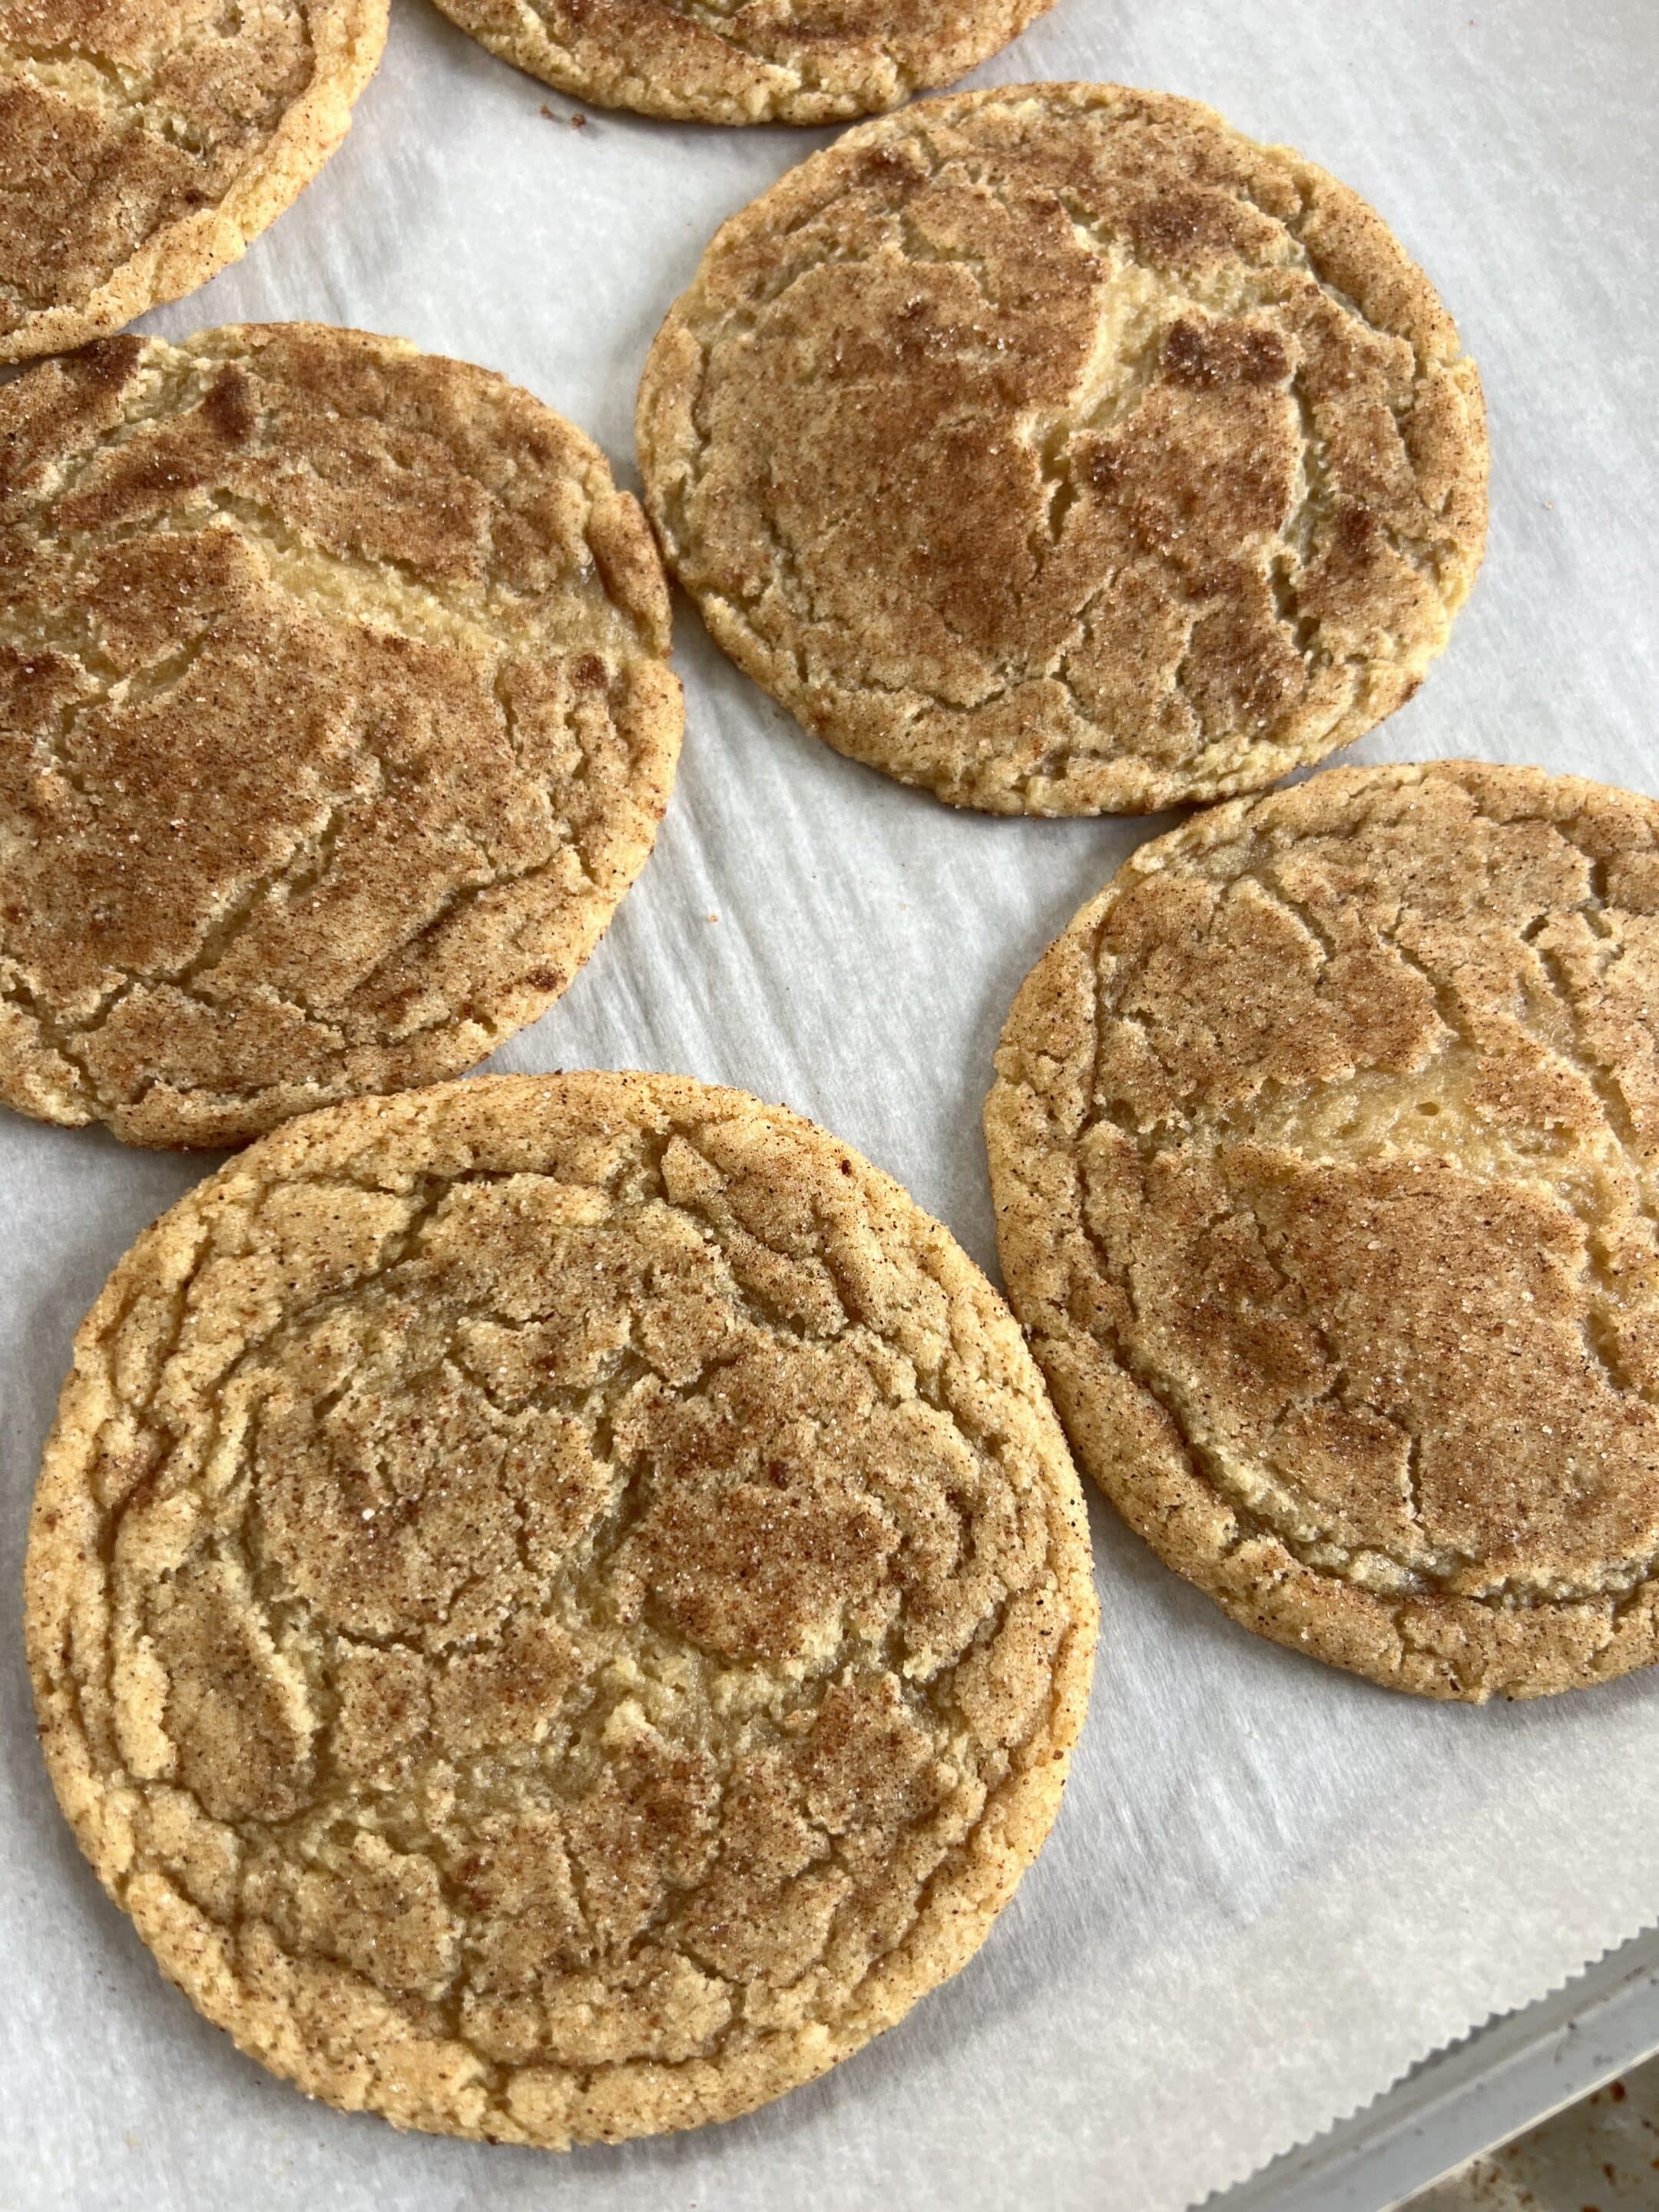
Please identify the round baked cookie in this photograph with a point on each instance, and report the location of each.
(757, 61)
(559, 1605)
(1324, 1144)
(1062, 451)
(334, 719)
(144, 144)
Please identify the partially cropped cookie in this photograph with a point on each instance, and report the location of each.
(334, 719)
(559, 1605)
(1324, 1143)
(759, 61)
(144, 144)
(1060, 450)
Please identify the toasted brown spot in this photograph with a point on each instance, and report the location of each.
(1225, 353)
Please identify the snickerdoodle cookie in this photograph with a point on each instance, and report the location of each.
(756, 61)
(1324, 1143)
(1060, 450)
(334, 719)
(559, 1605)
(144, 143)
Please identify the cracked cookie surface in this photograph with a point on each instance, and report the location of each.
(559, 1605)
(334, 719)
(1324, 1147)
(1062, 451)
(745, 61)
(144, 143)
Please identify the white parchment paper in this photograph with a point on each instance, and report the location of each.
(1272, 1887)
